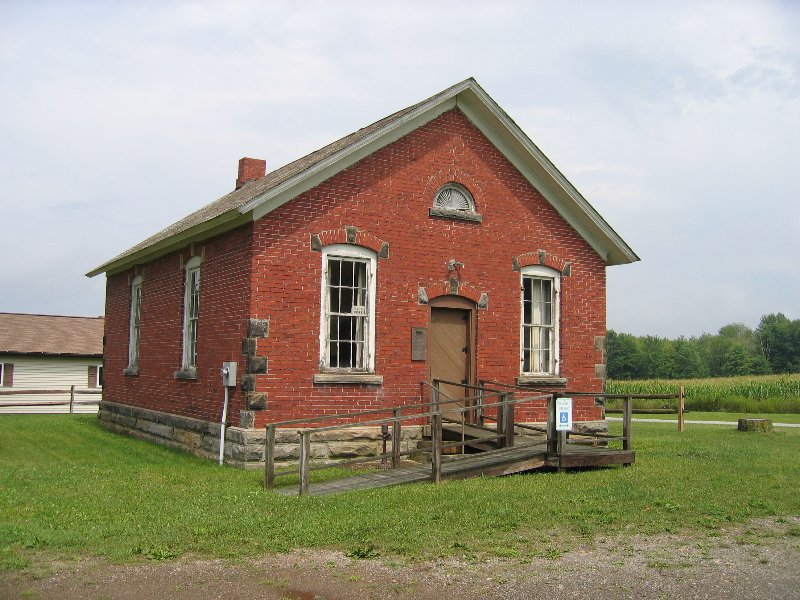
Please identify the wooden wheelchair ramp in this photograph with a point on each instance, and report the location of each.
(493, 463)
(491, 444)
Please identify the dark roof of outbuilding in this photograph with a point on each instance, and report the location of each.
(51, 335)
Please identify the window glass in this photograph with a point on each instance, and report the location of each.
(191, 313)
(135, 325)
(347, 320)
(539, 323)
(347, 337)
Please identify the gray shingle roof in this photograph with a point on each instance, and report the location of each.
(238, 198)
(253, 199)
(51, 335)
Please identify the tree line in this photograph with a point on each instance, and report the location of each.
(773, 347)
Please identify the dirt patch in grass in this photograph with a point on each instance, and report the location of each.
(755, 560)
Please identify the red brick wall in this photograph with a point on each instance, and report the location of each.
(269, 271)
(224, 305)
(388, 195)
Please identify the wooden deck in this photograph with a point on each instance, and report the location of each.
(494, 463)
(495, 444)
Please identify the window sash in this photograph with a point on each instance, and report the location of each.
(136, 303)
(191, 318)
(538, 324)
(347, 325)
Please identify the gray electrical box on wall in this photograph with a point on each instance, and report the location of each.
(229, 374)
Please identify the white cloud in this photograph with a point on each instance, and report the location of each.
(677, 120)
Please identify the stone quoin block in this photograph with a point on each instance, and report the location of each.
(256, 400)
(249, 346)
(258, 328)
(257, 365)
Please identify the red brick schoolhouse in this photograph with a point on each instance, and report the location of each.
(442, 221)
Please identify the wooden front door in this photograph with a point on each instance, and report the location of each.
(450, 355)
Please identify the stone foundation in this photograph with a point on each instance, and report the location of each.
(244, 447)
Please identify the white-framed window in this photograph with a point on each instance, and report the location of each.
(191, 313)
(347, 324)
(7, 374)
(540, 320)
(135, 324)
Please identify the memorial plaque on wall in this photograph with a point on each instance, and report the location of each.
(419, 343)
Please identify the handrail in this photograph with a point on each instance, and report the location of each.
(396, 419)
(504, 404)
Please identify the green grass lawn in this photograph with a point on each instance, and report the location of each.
(69, 488)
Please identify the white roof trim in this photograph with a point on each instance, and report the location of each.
(502, 131)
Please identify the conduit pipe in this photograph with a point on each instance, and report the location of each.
(228, 380)
(222, 427)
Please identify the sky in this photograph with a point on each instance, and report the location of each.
(678, 121)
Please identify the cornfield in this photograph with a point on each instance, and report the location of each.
(764, 393)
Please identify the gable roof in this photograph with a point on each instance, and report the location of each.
(258, 198)
(51, 335)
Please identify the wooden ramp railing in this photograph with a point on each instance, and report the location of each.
(490, 414)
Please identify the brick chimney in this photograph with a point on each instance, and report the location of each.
(250, 169)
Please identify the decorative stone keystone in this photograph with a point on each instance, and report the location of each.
(316, 243)
(483, 302)
(384, 253)
(351, 234)
(422, 295)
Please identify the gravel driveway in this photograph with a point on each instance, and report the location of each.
(757, 560)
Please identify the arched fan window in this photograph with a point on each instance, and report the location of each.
(454, 201)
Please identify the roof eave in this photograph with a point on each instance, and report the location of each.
(346, 157)
(224, 222)
(493, 122)
(518, 148)
(53, 354)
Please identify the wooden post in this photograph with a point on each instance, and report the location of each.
(479, 408)
(508, 398)
(501, 421)
(305, 455)
(435, 396)
(436, 447)
(71, 399)
(552, 442)
(626, 423)
(681, 409)
(269, 457)
(396, 437)
(562, 450)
